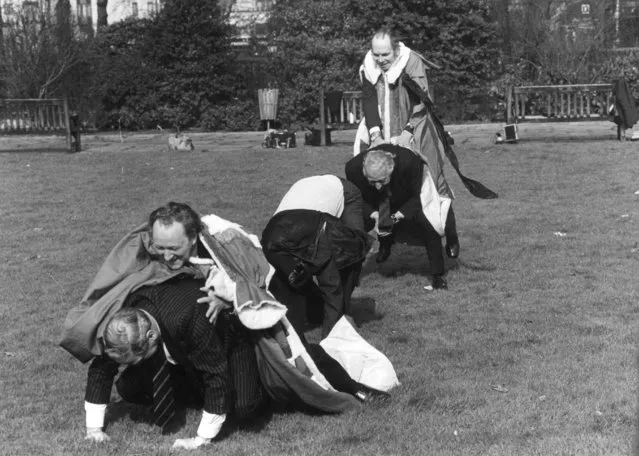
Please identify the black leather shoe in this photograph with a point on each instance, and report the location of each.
(367, 395)
(384, 252)
(439, 283)
(452, 250)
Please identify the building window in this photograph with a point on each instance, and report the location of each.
(30, 10)
(134, 9)
(84, 9)
(150, 8)
(263, 5)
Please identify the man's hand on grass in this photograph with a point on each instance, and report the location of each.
(97, 435)
(190, 444)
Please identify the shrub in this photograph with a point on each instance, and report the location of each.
(236, 116)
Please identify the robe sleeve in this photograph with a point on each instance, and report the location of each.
(371, 110)
(416, 71)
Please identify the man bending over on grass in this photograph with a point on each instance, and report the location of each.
(160, 268)
(317, 234)
(317, 231)
(175, 358)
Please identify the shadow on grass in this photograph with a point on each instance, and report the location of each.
(400, 262)
(122, 410)
(364, 310)
(474, 266)
(558, 138)
(38, 150)
(410, 260)
(253, 425)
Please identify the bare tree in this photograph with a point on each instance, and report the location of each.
(39, 51)
(553, 41)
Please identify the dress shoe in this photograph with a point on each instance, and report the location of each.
(439, 283)
(367, 395)
(452, 250)
(384, 252)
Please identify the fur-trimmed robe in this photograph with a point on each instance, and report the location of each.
(390, 106)
(286, 368)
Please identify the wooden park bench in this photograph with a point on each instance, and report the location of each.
(338, 111)
(560, 103)
(345, 110)
(40, 116)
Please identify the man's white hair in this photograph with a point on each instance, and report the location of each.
(378, 164)
(126, 335)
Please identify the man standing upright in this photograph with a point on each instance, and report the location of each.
(394, 112)
(398, 110)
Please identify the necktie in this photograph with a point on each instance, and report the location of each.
(163, 400)
(385, 222)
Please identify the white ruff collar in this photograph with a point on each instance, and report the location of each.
(372, 71)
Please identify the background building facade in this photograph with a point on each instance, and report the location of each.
(248, 16)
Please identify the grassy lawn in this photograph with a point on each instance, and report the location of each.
(531, 352)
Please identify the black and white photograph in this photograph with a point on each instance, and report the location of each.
(319, 227)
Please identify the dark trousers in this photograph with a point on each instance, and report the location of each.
(420, 228)
(350, 279)
(353, 213)
(249, 395)
(135, 384)
(328, 294)
(295, 301)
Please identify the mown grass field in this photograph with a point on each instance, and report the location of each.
(531, 352)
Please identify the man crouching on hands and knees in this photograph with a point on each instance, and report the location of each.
(208, 365)
(182, 302)
(181, 344)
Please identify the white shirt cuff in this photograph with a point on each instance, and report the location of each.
(95, 414)
(210, 425)
(374, 130)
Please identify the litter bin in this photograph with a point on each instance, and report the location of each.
(268, 105)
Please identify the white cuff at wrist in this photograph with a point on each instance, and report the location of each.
(210, 425)
(95, 414)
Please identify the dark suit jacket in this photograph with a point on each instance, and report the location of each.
(314, 237)
(405, 184)
(194, 343)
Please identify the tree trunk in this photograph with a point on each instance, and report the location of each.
(103, 20)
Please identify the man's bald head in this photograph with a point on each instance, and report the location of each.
(384, 49)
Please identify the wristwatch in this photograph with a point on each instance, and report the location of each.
(409, 128)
